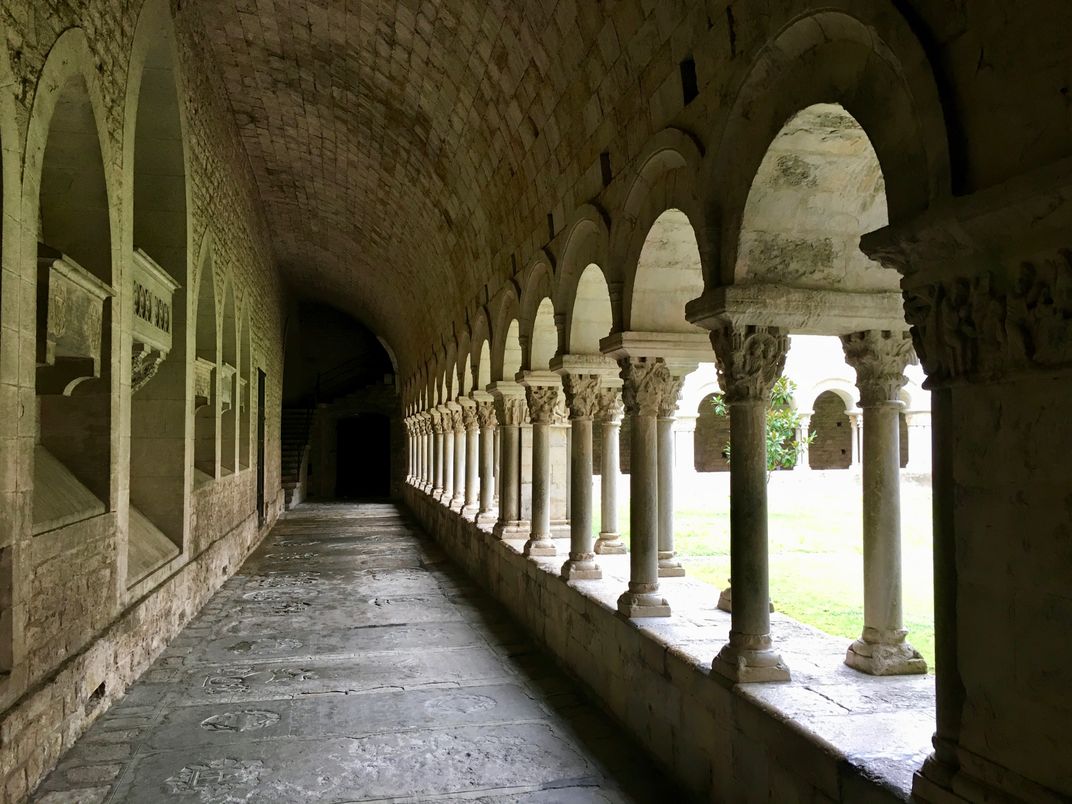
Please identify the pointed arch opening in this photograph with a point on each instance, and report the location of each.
(206, 378)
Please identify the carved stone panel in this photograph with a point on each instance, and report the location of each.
(151, 323)
(70, 319)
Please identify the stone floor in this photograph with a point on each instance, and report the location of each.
(348, 661)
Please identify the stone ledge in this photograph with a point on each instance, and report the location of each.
(815, 738)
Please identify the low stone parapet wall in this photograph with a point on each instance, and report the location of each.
(725, 743)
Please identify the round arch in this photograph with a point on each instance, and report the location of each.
(505, 334)
(875, 70)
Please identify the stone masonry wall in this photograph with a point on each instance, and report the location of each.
(72, 634)
(832, 447)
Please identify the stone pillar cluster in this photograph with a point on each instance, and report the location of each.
(469, 454)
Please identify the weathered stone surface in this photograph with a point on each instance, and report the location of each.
(323, 704)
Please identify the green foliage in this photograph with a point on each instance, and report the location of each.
(783, 424)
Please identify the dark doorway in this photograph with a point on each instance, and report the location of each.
(363, 457)
(260, 446)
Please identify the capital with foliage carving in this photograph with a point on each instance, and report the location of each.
(582, 395)
(672, 395)
(879, 359)
(437, 421)
(749, 360)
(645, 381)
(469, 419)
(511, 410)
(542, 400)
(454, 420)
(485, 414)
(610, 405)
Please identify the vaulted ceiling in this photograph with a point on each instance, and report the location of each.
(395, 142)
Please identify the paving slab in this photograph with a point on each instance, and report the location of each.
(349, 661)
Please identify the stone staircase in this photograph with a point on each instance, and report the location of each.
(294, 441)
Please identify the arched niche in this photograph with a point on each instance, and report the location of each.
(228, 383)
(245, 362)
(668, 275)
(818, 188)
(592, 317)
(206, 376)
(67, 197)
(155, 156)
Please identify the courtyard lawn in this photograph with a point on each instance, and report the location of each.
(816, 556)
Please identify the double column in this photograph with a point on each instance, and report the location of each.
(541, 393)
(646, 381)
(669, 565)
(749, 360)
(511, 411)
(880, 358)
(583, 377)
(486, 420)
(439, 422)
(609, 421)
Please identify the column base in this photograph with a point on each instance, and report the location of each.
(610, 544)
(669, 565)
(470, 511)
(517, 529)
(748, 665)
(539, 546)
(457, 504)
(880, 659)
(582, 568)
(485, 518)
(636, 605)
(725, 601)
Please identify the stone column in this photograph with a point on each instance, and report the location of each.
(854, 431)
(457, 501)
(645, 381)
(610, 419)
(426, 458)
(438, 423)
(488, 437)
(582, 397)
(749, 360)
(510, 409)
(669, 566)
(472, 460)
(685, 444)
(496, 453)
(449, 427)
(919, 442)
(879, 359)
(803, 457)
(541, 400)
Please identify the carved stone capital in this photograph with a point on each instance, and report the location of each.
(610, 405)
(485, 413)
(438, 421)
(453, 419)
(144, 364)
(749, 360)
(582, 395)
(645, 383)
(511, 410)
(879, 359)
(668, 406)
(542, 400)
(469, 418)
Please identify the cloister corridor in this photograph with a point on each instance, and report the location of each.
(349, 660)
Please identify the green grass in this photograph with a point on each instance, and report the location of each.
(816, 561)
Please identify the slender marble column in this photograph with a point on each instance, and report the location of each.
(496, 457)
(582, 398)
(669, 565)
(457, 500)
(437, 460)
(488, 439)
(449, 427)
(803, 457)
(511, 410)
(645, 383)
(426, 458)
(610, 419)
(542, 400)
(879, 359)
(749, 361)
(854, 430)
(472, 460)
